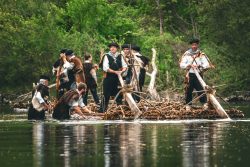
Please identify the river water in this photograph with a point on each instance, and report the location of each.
(125, 143)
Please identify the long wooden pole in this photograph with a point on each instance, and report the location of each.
(130, 100)
(211, 97)
(29, 93)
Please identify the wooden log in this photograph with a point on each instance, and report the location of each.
(52, 85)
(211, 97)
(130, 100)
(26, 95)
(151, 87)
(20, 110)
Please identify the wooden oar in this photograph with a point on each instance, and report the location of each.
(211, 97)
(130, 100)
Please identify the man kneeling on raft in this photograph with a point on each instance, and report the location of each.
(71, 103)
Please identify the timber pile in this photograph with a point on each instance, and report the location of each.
(162, 111)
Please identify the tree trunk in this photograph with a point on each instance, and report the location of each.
(160, 13)
(151, 87)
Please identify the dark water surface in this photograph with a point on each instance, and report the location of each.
(120, 143)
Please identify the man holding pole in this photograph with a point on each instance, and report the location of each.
(127, 55)
(192, 59)
(61, 77)
(113, 64)
(144, 61)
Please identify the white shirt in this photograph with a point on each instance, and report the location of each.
(75, 103)
(106, 61)
(187, 59)
(136, 57)
(38, 96)
(67, 65)
(54, 70)
(87, 61)
(37, 101)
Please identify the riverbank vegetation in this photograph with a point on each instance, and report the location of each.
(32, 33)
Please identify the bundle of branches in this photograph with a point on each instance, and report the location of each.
(166, 110)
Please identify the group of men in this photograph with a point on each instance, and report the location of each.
(75, 78)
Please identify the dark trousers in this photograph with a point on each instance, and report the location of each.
(194, 84)
(142, 78)
(94, 94)
(33, 114)
(110, 88)
(141, 83)
(129, 75)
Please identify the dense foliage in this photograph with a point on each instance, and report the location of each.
(32, 33)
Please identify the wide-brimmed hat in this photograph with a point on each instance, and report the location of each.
(69, 53)
(136, 48)
(194, 40)
(44, 77)
(63, 50)
(126, 46)
(113, 44)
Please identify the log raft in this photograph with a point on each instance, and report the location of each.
(164, 110)
(157, 108)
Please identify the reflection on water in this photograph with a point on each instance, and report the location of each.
(130, 142)
(195, 146)
(197, 141)
(38, 143)
(125, 144)
(120, 143)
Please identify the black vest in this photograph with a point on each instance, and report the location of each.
(90, 81)
(44, 90)
(144, 59)
(114, 64)
(71, 76)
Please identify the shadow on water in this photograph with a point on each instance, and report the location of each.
(125, 143)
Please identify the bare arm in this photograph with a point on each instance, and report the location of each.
(93, 74)
(77, 110)
(85, 109)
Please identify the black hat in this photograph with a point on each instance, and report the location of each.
(45, 77)
(126, 46)
(69, 53)
(113, 44)
(194, 40)
(63, 50)
(136, 48)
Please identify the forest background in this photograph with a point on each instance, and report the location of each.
(32, 32)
